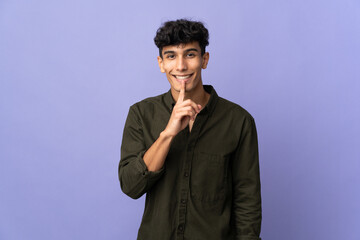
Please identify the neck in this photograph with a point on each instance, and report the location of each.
(202, 98)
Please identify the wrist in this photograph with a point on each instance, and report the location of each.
(166, 135)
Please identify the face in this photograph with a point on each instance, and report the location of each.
(183, 63)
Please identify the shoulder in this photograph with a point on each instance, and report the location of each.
(148, 102)
(151, 107)
(234, 109)
(236, 117)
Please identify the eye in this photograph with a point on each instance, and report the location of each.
(170, 56)
(190, 55)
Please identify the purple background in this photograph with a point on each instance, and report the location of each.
(69, 71)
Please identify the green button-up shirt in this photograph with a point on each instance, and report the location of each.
(209, 186)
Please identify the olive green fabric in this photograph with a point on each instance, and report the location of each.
(209, 186)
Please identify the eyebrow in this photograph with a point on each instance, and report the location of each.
(191, 49)
(187, 50)
(168, 52)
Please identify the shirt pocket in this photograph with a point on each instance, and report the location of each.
(208, 176)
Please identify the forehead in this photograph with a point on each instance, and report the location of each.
(182, 47)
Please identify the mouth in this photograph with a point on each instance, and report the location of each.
(183, 77)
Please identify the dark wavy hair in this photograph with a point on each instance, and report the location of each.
(181, 31)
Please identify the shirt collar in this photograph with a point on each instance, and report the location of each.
(210, 106)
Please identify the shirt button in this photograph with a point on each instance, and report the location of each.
(181, 228)
(186, 174)
(183, 201)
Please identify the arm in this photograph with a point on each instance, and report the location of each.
(135, 179)
(182, 113)
(139, 168)
(246, 185)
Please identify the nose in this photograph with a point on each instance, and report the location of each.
(181, 64)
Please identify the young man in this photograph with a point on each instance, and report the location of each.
(193, 153)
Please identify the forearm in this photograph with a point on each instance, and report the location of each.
(155, 156)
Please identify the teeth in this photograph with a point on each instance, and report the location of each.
(182, 77)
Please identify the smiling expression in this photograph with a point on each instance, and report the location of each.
(183, 63)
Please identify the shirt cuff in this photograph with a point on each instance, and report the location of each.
(150, 175)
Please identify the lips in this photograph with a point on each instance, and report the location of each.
(182, 77)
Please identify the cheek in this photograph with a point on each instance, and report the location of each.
(168, 66)
(197, 65)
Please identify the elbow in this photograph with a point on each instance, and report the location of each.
(135, 191)
(132, 182)
(131, 193)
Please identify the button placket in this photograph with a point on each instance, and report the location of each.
(185, 180)
(184, 193)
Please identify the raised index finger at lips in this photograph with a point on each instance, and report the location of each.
(182, 92)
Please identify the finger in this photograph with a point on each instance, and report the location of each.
(182, 92)
(187, 114)
(180, 113)
(196, 107)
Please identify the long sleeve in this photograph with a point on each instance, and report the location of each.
(135, 179)
(246, 184)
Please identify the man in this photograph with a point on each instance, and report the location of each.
(193, 153)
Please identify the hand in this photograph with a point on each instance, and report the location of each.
(183, 112)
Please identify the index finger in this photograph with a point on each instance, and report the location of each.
(182, 92)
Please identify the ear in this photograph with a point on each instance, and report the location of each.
(205, 59)
(161, 65)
